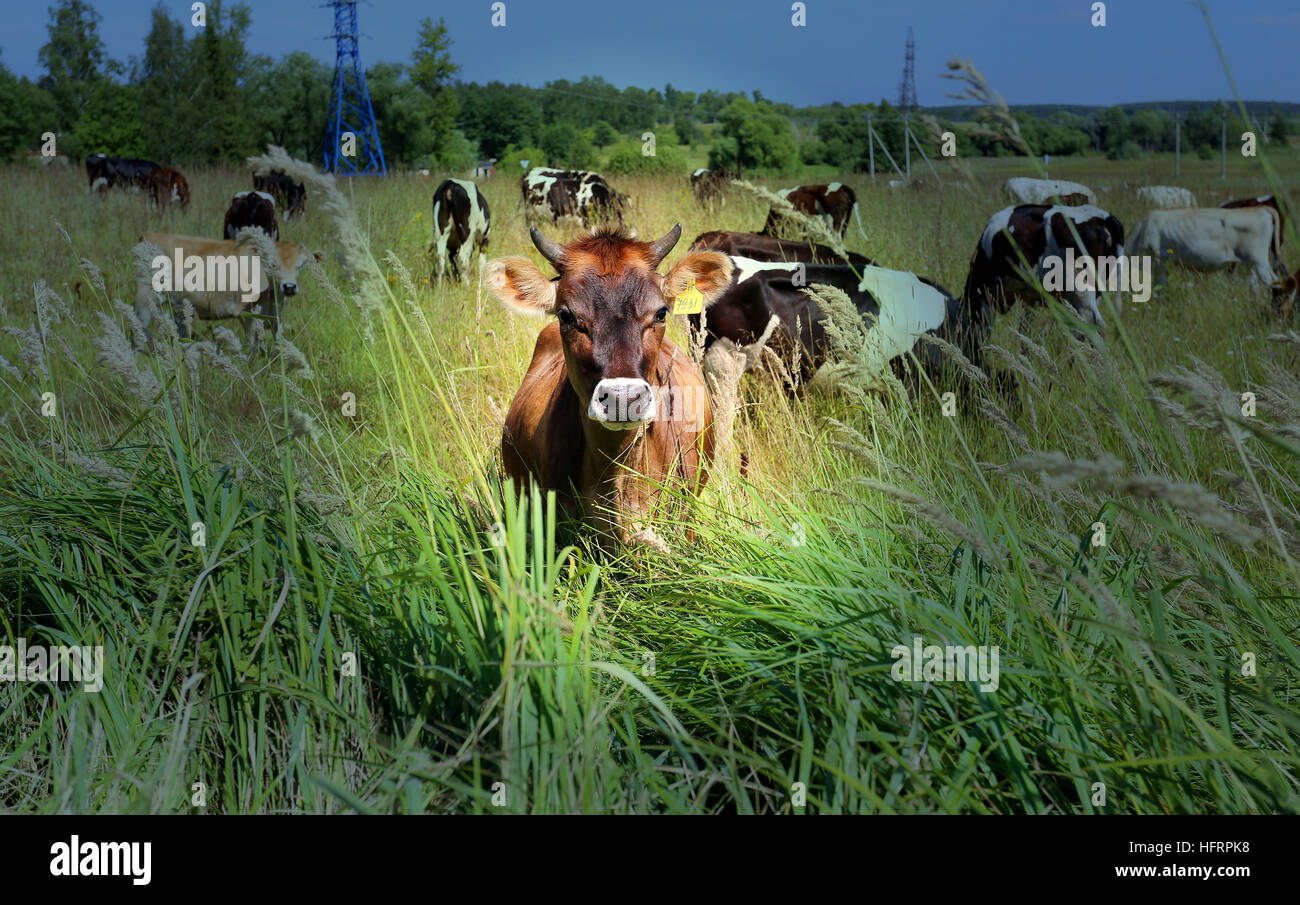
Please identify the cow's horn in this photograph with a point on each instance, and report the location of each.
(551, 251)
(660, 247)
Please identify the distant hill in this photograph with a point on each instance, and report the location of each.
(1255, 108)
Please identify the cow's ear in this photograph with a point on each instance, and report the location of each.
(518, 284)
(711, 271)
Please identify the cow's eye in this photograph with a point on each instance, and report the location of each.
(661, 315)
(566, 317)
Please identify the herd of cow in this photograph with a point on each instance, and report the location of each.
(213, 294)
(611, 411)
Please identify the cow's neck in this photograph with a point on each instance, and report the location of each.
(611, 467)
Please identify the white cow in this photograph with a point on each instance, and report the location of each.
(1042, 191)
(1209, 237)
(1166, 196)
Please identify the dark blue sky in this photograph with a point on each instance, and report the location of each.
(1033, 51)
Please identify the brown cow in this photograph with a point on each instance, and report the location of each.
(166, 185)
(609, 410)
(834, 203)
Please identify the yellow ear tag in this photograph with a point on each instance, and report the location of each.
(690, 301)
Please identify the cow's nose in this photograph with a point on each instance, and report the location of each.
(289, 288)
(622, 403)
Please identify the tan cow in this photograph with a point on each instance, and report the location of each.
(610, 410)
(220, 278)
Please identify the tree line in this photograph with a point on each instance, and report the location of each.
(195, 95)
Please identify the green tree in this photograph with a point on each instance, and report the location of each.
(432, 71)
(288, 103)
(165, 82)
(218, 127)
(111, 123)
(74, 59)
(755, 135)
(404, 114)
(26, 111)
(565, 146)
(603, 134)
(1278, 129)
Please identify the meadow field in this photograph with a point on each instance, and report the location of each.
(373, 623)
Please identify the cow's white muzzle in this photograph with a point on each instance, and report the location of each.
(622, 403)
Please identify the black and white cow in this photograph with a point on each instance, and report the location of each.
(575, 195)
(900, 307)
(461, 222)
(292, 196)
(251, 209)
(1042, 235)
(105, 172)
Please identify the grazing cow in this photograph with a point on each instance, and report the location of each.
(461, 222)
(216, 279)
(1211, 237)
(166, 186)
(707, 186)
(251, 209)
(1265, 201)
(767, 248)
(1047, 191)
(900, 305)
(1042, 235)
(574, 195)
(833, 203)
(105, 172)
(610, 409)
(291, 195)
(1166, 196)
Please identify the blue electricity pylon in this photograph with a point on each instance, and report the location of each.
(350, 108)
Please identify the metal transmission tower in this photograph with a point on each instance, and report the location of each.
(907, 88)
(350, 108)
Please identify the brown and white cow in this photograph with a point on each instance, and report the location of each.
(1044, 237)
(834, 203)
(167, 186)
(461, 222)
(768, 248)
(577, 196)
(219, 279)
(251, 209)
(610, 410)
